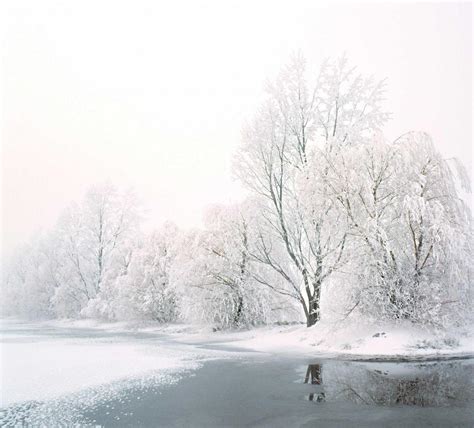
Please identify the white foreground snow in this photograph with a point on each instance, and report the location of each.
(48, 369)
(44, 367)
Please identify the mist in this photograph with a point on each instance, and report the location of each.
(153, 95)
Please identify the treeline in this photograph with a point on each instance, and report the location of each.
(339, 222)
(97, 263)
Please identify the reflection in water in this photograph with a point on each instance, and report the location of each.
(387, 384)
(370, 386)
(315, 377)
(314, 372)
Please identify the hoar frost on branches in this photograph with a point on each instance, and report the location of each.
(412, 234)
(341, 207)
(297, 119)
(219, 273)
(96, 239)
(408, 233)
(145, 290)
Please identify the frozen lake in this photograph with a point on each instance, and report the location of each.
(210, 385)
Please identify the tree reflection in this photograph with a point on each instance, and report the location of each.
(391, 384)
(314, 376)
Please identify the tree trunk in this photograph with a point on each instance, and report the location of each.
(313, 315)
(238, 312)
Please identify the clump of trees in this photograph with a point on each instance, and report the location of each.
(74, 266)
(338, 200)
(222, 277)
(410, 234)
(335, 212)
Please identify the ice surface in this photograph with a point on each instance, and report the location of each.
(40, 362)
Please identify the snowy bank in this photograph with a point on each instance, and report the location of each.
(357, 341)
(344, 339)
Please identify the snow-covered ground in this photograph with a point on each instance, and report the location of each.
(42, 361)
(354, 341)
(44, 365)
(344, 339)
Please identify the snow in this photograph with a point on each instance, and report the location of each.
(357, 341)
(77, 365)
(351, 338)
(44, 366)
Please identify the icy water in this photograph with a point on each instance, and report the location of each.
(293, 393)
(262, 390)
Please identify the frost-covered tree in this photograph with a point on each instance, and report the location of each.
(411, 234)
(220, 275)
(297, 120)
(144, 290)
(96, 238)
(30, 278)
(218, 271)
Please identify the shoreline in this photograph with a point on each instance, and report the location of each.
(389, 343)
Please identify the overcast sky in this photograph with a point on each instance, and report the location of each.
(153, 95)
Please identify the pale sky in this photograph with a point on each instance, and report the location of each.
(154, 94)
